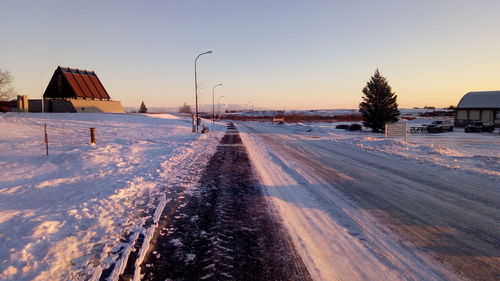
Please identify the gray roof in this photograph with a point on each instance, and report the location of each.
(487, 99)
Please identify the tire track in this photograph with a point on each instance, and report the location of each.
(224, 230)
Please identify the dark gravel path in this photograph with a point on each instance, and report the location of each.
(225, 229)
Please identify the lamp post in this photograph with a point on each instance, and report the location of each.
(196, 86)
(213, 102)
(252, 108)
(218, 105)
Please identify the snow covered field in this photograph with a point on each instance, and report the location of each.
(69, 215)
(357, 206)
(457, 150)
(363, 208)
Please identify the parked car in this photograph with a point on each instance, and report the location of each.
(342, 126)
(354, 127)
(480, 126)
(440, 126)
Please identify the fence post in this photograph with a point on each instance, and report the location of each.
(92, 136)
(46, 140)
(406, 132)
(192, 123)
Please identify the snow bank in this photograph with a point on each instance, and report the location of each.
(474, 153)
(71, 214)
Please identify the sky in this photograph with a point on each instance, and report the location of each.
(274, 54)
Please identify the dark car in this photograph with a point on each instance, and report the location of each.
(480, 126)
(354, 127)
(342, 126)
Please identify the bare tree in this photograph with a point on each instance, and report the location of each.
(6, 91)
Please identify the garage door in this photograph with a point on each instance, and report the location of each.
(487, 116)
(474, 115)
(462, 114)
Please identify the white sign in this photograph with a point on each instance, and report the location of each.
(395, 130)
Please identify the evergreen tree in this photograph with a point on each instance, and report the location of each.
(379, 104)
(143, 108)
(185, 109)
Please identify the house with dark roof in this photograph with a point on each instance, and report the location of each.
(75, 90)
(478, 106)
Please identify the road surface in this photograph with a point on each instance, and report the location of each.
(360, 215)
(221, 230)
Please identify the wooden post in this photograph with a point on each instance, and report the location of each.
(92, 136)
(406, 132)
(192, 123)
(46, 140)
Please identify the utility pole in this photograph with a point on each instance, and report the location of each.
(41, 90)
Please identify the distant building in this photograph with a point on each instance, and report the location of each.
(478, 106)
(74, 90)
(6, 106)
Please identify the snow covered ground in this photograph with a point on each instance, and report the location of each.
(359, 207)
(457, 150)
(75, 213)
(72, 214)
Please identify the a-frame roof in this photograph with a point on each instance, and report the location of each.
(74, 83)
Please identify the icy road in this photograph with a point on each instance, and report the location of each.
(355, 214)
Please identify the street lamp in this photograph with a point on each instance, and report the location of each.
(196, 86)
(213, 102)
(218, 105)
(251, 114)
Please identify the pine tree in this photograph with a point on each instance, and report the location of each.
(185, 109)
(143, 108)
(379, 104)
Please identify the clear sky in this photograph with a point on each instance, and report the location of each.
(276, 54)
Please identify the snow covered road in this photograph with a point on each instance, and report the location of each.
(356, 214)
